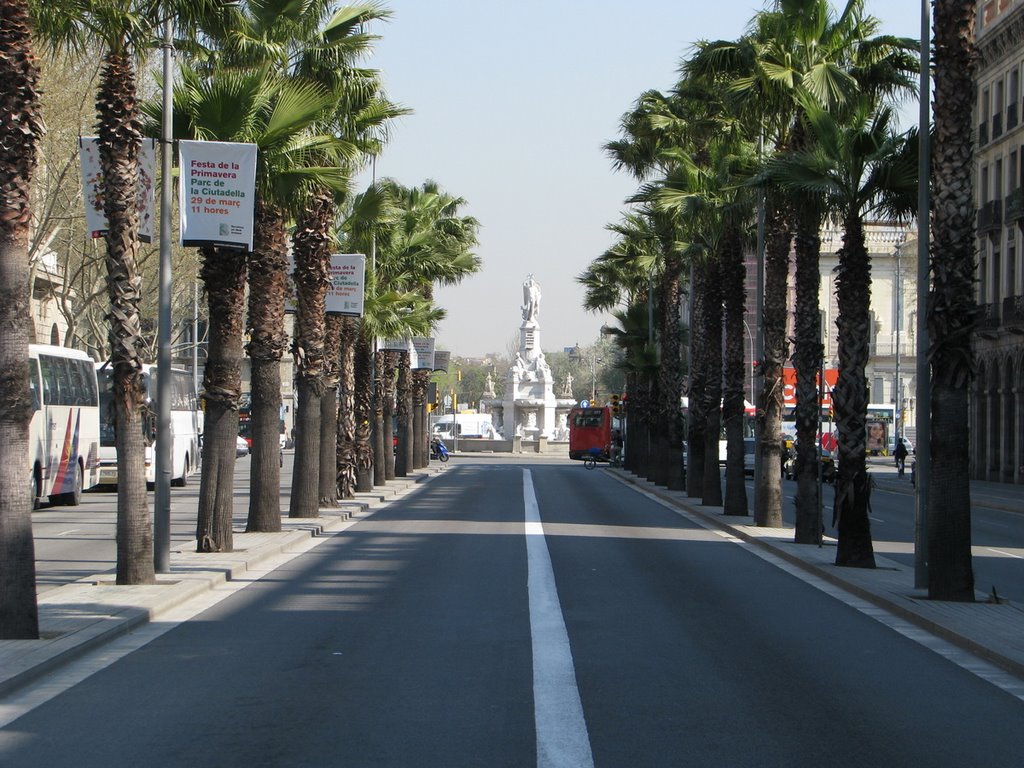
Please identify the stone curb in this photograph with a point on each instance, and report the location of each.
(1012, 665)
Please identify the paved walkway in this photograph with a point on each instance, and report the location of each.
(79, 617)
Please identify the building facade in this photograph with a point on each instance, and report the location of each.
(997, 412)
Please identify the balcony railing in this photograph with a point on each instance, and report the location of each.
(1011, 116)
(990, 217)
(997, 125)
(1013, 311)
(989, 317)
(1014, 205)
(983, 134)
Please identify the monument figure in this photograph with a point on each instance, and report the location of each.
(531, 299)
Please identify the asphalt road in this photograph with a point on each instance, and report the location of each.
(522, 615)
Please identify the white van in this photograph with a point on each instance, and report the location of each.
(464, 425)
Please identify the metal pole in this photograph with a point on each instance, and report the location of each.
(162, 506)
(195, 338)
(924, 390)
(898, 394)
(759, 319)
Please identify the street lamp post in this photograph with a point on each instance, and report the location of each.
(750, 336)
(898, 395)
(922, 419)
(162, 484)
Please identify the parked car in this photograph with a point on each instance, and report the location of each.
(749, 449)
(891, 449)
(829, 461)
(241, 447)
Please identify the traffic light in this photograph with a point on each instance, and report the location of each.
(616, 405)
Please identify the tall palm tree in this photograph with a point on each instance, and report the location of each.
(951, 306)
(622, 280)
(123, 30)
(21, 128)
(860, 166)
(277, 115)
(312, 249)
(799, 50)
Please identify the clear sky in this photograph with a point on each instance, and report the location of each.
(512, 103)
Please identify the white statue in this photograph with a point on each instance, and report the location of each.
(567, 387)
(489, 386)
(531, 299)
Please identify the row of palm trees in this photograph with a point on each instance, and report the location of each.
(761, 141)
(285, 77)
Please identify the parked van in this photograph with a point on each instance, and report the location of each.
(464, 425)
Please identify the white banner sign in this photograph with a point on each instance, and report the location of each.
(217, 193)
(345, 293)
(92, 187)
(424, 346)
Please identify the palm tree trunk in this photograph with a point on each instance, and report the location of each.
(807, 359)
(347, 463)
(952, 309)
(380, 464)
(329, 413)
(853, 294)
(420, 385)
(711, 331)
(223, 273)
(364, 413)
(670, 382)
(769, 493)
(404, 459)
(390, 370)
(697, 423)
(268, 264)
(20, 131)
(734, 300)
(119, 142)
(312, 249)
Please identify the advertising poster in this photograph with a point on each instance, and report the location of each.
(92, 187)
(345, 293)
(217, 193)
(424, 346)
(442, 360)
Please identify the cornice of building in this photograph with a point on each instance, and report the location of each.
(1002, 39)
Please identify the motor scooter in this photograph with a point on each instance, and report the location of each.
(438, 450)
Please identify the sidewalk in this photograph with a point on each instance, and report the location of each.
(994, 632)
(78, 617)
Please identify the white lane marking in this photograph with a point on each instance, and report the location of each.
(65, 533)
(1001, 552)
(562, 738)
(964, 659)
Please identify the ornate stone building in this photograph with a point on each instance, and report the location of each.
(997, 413)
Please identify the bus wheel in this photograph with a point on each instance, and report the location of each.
(34, 488)
(182, 481)
(74, 498)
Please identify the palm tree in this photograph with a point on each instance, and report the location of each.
(625, 276)
(859, 166)
(312, 250)
(329, 423)
(21, 128)
(799, 50)
(276, 115)
(123, 31)
(951, 306)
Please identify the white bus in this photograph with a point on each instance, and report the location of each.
(186, 425)
(64, 436)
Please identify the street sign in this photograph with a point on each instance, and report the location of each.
(584, 403)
